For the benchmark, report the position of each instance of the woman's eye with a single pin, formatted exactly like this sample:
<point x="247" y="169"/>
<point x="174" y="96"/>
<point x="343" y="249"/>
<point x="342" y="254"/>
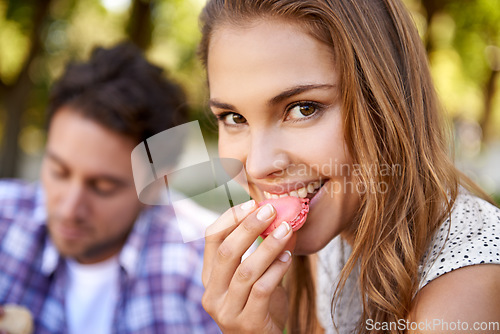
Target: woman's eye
<point x="232" y="118"/>
<point x="301" y="110"/>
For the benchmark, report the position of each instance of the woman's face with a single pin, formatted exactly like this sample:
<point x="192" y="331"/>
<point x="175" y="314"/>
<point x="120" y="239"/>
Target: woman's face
<point x="275" y="90"/>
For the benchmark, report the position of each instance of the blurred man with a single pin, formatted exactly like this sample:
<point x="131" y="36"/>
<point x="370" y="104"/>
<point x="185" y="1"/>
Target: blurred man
<point x="80" y="251"/>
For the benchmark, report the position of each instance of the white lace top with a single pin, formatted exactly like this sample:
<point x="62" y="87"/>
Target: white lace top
<point x="473" y="239"/>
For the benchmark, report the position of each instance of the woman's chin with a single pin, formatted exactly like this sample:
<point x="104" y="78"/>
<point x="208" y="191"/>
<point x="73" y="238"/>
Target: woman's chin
<point x="309" y="244"/>
<point x="329" y="214"/>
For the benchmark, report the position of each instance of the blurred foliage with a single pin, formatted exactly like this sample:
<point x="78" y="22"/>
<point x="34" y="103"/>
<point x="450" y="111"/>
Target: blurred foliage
<point x="462" y="38"/>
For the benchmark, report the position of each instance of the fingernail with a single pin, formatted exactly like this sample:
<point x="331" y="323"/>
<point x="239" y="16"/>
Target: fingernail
<point x="285" y="256"/>
<point x="281" y="231"/>
<point x="248" y="205"/>
<point x="265" y="212"/>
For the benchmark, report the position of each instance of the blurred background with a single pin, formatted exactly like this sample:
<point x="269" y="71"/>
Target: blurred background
<point x="38" y="37"/>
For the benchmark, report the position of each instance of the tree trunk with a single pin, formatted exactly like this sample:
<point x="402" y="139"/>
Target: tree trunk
<point x="488" y="103"/>
<point x="16" y="95"/>
<point x="139" y="26"/>
<point x="431" y="8"/>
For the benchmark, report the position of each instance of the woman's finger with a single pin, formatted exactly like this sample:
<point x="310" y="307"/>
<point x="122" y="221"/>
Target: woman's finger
<point x="218" y="231"/>
<point x="250" y="270"/>
<point x="257" y="316"/>
<point x="229" y="253"/>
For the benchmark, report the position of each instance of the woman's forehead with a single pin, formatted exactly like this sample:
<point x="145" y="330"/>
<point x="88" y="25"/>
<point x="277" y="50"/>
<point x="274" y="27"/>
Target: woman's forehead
<point x="269" y="48"/>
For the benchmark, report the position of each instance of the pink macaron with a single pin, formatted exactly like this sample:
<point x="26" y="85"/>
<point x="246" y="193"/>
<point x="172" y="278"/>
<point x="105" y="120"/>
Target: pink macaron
<point x="291" y="209"/>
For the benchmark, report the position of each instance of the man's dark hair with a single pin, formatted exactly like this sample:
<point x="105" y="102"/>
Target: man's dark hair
<point x="119" y="89"/>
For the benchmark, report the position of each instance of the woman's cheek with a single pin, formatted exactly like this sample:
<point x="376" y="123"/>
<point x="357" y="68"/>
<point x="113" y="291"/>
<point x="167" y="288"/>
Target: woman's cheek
<point x="232" y="146"/>
<point x="230" y="149"/>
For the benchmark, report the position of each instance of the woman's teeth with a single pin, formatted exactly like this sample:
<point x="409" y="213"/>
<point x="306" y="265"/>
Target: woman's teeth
<point x="311" y="188"/>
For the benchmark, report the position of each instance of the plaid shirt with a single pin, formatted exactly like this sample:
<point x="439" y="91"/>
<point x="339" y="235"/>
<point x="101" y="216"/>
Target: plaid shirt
<point x="160" y="276"/>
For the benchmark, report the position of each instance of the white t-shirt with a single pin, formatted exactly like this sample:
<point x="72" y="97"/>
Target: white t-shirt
<point x="91" y="296"/>
<point x="474" y="239"/>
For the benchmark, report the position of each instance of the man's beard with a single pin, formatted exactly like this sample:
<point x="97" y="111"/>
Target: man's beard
<point x="90" y="251"/>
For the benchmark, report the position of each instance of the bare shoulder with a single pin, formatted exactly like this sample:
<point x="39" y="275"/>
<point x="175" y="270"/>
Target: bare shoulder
<point x="466" y="299"/>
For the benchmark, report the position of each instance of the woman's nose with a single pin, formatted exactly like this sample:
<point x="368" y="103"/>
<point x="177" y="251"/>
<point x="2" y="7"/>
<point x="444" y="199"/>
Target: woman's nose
<point x="266" y="156"/>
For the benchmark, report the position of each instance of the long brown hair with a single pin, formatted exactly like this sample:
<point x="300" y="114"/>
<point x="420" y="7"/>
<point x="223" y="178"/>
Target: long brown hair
<point x="392" y="117"/>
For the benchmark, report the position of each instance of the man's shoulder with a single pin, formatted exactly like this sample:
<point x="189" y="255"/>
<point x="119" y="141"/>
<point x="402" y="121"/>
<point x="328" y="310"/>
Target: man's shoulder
<point x="21" y="232"/>
<point x="183" y="222"/>
<point x="15" y="188"/>
<point x="169" y="238"/>
<point x="18" y="198"/>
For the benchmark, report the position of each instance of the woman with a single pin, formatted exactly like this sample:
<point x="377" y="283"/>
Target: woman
<point x="333" y="100"/>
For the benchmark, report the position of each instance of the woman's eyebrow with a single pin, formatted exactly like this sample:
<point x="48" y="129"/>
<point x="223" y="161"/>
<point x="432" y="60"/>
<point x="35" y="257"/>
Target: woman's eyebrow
<point x="297" y="90"/>
<point x="221" y="105"/>
<point x="275" y="100"/>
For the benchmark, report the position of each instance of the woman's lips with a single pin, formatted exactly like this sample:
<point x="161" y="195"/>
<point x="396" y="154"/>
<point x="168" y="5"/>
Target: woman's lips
<point x="321" y="192"/>
<point x="307" y="190"/>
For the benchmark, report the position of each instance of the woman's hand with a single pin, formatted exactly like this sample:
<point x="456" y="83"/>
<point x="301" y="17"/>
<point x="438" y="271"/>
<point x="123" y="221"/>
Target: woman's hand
<point x="246" y="297"/>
